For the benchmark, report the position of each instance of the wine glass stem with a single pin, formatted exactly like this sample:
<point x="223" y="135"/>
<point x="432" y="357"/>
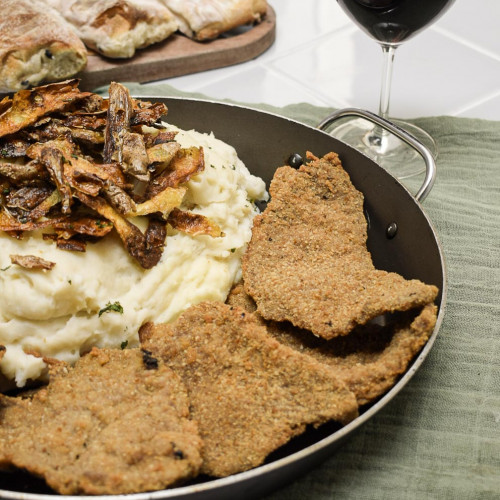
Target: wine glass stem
<point x="378" y="137"/>
<point x="385" y="92"/>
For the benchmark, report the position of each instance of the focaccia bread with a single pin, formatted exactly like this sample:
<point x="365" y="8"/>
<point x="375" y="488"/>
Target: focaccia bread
<point x="36" y="45"/>
<point x="207" y="19"/>
<point x="116" y="28"/>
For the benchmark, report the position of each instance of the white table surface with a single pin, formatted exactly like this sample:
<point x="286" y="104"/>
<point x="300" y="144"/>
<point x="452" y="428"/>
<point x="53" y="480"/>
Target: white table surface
<point x="321" y="57"/>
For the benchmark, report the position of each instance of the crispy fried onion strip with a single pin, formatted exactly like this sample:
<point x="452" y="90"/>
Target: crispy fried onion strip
<point x="17" y="173"/>
<point x="11" y="224"/>
<point x="145" y="248"/>
<point x="146" y="113"/>
<point x="163" y="152"/>
<point x="39" y="206"/>
<point x="68" y="232"/>
<point x="120" y="143"/>
<point x="69" y="170"/>
<point x="28" y="106"/>
<point x="164" y="202"/>
<point x="186" y="163"/>
<point x="89" y="226"/>
<point x="32" y="262"/>
<point x="191" y="223"/>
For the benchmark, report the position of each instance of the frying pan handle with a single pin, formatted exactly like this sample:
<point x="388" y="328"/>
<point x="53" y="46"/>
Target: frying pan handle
<point x="430" y="164"/>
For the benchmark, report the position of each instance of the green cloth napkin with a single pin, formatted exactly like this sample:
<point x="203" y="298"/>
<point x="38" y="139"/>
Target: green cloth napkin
<point x="439" y="438"/>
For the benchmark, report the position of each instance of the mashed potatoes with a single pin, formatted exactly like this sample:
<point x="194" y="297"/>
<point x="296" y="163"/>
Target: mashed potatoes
<point x="102" y="297"/>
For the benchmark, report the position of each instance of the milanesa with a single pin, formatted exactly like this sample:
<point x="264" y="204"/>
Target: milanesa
<point x="248" y="393"/>
<point x="116" y="423"/>
<point x="369" y="359"/>
<point x="307" y="261"/>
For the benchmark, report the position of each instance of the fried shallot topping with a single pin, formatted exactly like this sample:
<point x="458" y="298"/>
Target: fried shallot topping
<point x="27" y="106"/>
<point x="31" y="262"/>
<point x="77" y="166"/>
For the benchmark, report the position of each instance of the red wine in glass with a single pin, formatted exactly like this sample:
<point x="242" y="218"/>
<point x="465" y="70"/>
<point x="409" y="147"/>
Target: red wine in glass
<point x="394" y="21"/>
<point x="390" y="23"/>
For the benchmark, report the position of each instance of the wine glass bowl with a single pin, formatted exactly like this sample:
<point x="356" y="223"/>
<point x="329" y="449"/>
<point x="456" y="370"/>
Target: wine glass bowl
<point x="394" y="21"/>
<point x="390" y="23"/>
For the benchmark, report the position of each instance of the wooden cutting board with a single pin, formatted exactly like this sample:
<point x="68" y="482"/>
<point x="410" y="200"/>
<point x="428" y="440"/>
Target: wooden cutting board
<point x="179" y="55"/>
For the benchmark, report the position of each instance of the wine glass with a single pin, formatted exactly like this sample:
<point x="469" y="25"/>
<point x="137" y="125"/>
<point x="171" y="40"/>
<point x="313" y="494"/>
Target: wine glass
<point x="390" y="23"/>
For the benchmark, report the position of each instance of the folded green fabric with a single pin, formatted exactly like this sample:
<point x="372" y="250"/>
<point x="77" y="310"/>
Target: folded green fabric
<point x="440" y="437"/>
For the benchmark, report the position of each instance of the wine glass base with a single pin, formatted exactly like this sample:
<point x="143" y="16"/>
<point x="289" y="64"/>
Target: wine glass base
<point x="390" y="152"/>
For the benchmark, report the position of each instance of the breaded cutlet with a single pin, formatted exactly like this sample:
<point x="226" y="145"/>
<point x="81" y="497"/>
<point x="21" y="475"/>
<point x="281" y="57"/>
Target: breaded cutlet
<point x="116" y="423"/>
<point x="369" y="359"/>
<point x="249" y="394"/>
<point x="307" y="261"/>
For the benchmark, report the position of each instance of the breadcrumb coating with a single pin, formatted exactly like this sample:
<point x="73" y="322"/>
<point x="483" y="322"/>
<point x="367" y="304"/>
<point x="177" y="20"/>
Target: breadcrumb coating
<point x="116" y="423"/>
<point x="308" y="262"/>
<point x="249" y="393"/>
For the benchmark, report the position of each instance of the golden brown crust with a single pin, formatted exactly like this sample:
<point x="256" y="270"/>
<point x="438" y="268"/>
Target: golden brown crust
<point x="116" y="28"/>
<point x="116" y="423"/>
<point x="307" y="261"/>
<point x="369" y="359"/>
<point x="209" y="19"/>
<point x="36" y="45"/>
<point x="32" y="262"/>
<point x="374" y="369"/>
<point x="248" y="393"/>
<point x="27" y="106"/>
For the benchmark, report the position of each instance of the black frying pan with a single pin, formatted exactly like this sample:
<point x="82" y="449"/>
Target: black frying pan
<point x="264" y="142"/>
